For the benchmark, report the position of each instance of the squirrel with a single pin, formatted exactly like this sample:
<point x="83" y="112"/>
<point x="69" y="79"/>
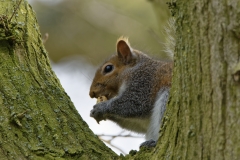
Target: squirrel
<point x="136" y="87"/>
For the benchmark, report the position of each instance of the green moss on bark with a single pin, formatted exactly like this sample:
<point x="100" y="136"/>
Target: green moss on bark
<point x="37" y="118"/>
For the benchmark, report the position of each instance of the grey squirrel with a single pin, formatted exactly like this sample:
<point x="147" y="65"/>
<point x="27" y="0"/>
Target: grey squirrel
<point x="136" y="87"/>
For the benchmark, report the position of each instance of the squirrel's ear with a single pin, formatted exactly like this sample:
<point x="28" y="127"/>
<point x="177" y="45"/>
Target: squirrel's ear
<point x="124" y="49"/>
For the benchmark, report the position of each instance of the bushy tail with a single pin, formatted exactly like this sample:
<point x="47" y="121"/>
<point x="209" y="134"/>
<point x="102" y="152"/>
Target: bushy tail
<point x="170" y="31"/>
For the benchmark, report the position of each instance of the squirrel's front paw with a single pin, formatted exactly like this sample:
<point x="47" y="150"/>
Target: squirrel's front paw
<point x="97" y="113"/>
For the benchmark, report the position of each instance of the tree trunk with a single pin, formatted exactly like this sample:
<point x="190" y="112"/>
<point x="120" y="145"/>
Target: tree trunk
<point x="202" y="120"/>
<point x="37" y="118"/>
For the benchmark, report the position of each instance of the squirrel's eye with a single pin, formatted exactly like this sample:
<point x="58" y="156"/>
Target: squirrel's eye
<point x="108" y="68"/>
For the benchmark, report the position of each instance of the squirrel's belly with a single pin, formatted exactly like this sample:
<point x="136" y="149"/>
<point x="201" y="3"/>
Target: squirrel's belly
<point x="139" y="125"/>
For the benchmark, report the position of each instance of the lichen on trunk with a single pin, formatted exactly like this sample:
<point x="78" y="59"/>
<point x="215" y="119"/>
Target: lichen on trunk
<point x="37" y="118"/>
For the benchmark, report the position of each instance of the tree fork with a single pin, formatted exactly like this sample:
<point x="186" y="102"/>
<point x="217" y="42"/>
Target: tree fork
<point x="38" y="120"/>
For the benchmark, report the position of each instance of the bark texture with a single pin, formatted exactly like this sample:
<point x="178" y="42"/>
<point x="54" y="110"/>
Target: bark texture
<point x="37" y="118"/>
<point x="202" y="119"/>
<point x="205" y="96"/>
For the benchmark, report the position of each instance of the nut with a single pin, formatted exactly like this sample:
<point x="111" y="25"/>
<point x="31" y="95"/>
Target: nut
<point x="101" y="99"/>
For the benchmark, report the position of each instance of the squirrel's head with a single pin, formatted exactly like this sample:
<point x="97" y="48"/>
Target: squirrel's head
<point x="109" y="76"/>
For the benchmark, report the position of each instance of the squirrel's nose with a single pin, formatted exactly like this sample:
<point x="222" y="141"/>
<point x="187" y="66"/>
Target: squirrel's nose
<point x="92" y="94"/>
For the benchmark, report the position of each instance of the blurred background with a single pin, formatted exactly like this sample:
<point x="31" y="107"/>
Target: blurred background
<point x="81" y="34"/>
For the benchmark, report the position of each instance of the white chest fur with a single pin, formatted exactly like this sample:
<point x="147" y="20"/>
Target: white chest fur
<point x="157" y="114"/>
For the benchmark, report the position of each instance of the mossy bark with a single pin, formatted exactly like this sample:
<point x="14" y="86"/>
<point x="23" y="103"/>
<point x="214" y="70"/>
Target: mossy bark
<point x="37" y="118"/>
<point x="203" y="116"/>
